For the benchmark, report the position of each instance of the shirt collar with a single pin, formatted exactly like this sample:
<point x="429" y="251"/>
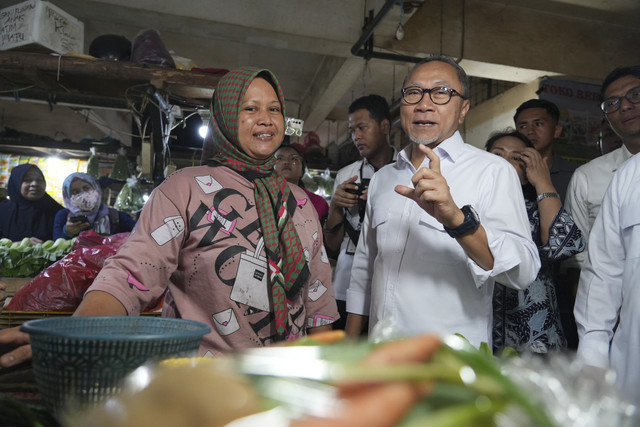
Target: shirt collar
<point x="366" y="163"/>
<point x="451" y="148"/>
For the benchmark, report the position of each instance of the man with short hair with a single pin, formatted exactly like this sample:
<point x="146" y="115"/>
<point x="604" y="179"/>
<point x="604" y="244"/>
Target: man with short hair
<point x="539" y="120"/>
<point x="369" y="126"/>
<point x="607" y="304"/>
<point x="442" y="224"/>
<point x="589" y="181"/>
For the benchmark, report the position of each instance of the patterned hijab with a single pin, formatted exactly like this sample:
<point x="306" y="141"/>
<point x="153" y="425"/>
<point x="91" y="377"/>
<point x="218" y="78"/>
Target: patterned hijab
<point x="99" y="212"/>
<point x="288" y="270"/>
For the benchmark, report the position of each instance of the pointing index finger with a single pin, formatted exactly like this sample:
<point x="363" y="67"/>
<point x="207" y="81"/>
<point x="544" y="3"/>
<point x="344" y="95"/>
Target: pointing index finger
<point x="434" y="160"/>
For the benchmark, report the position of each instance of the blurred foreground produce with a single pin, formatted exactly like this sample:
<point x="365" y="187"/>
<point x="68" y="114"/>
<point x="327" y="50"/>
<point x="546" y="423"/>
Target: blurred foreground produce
<point x="22" y="259"/>
<point x="414" y="382"/>
<point x="176" y="393"/>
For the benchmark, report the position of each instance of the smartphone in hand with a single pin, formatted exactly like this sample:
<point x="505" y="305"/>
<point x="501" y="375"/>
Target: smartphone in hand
<point x="79" y="218"/>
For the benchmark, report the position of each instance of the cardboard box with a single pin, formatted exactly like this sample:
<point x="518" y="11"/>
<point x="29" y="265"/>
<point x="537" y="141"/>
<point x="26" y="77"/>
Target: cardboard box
<point x="39" y="26"/>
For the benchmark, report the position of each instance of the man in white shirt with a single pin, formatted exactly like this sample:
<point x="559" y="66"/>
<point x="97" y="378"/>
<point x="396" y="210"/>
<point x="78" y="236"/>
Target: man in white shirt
<point x="607" y="308"/>
<point x="589" y="181"/>
<point x="369" y="125"/>
<point x="442" y="224"/>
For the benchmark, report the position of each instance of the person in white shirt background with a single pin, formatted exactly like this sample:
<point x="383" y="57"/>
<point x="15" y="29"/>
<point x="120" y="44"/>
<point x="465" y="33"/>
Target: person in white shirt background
<point x="608" y="299"/>
<point x="589" y="181"/>
<point x="369" y="125"/>
<point x="442" y="224"/>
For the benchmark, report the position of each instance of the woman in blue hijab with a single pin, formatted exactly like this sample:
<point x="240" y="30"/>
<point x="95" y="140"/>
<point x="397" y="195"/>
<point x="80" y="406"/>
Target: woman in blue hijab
<point x="84" y="210"/>
<point x="30" y="211"/>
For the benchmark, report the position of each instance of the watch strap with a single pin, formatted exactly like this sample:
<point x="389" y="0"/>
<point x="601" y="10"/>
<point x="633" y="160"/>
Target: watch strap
<point x="471" y="223"/>
<point x="545" y="195"/>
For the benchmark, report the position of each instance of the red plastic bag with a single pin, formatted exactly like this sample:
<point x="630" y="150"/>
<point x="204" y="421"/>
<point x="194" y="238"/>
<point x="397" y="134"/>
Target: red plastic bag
<point x="92" y="238"/>
<point x="62" y="285"/>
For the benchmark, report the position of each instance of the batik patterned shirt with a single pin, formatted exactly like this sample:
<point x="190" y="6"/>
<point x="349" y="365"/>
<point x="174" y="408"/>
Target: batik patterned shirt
<point x="529" y="319"/>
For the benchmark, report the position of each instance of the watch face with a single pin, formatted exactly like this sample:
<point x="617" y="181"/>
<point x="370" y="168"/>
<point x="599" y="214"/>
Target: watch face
<point x="473" y="213"/>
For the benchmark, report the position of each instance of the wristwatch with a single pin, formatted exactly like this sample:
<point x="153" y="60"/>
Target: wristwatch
<point x="471" y="223"/>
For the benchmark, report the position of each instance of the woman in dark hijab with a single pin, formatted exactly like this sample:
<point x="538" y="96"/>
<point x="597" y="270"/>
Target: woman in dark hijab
<point x="30" y="211"/>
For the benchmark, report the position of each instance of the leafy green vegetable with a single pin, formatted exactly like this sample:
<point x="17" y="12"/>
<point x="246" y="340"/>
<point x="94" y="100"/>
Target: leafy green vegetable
<point x="23" y="259"/>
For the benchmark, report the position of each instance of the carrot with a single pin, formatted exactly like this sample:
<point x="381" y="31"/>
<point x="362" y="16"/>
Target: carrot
<point x="417" y="349"/>
<point x="328" y="337"/>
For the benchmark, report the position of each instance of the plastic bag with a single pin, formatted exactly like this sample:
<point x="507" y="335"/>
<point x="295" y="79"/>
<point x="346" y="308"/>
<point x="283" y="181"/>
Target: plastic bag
<point x="61" y="286"/>
<point x="149" y="48"/>
<point x="120" y="169"/>
<point x="130" y="198"/>
<point x="93" y="164"/>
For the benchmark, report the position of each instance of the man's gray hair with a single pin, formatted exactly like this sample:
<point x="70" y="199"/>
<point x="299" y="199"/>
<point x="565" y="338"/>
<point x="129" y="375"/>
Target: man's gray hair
<point x="462" y="75"/>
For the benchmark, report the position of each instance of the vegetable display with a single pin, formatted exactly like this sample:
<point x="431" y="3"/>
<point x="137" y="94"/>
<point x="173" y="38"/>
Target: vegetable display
<point x="23" y="259"/>
<point x="324" y="380"/>
<point x="467" y="385"/>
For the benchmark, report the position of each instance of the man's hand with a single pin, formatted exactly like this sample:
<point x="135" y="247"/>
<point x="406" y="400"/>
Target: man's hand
<point x="343" y="198"/>
<point x="431" y="191"/>
<point x="14" y="347"/>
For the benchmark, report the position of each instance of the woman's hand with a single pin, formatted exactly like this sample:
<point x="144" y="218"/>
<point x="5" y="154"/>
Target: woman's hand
<point x="537" y="170"/>
<point x="14" y="347"/>
<point x="74" y="228"/>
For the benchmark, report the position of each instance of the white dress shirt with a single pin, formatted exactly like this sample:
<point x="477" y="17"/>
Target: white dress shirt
<point x="607" y="307"/>
<point x="342" y="273"/>
<point x="410" y="273"/>
<point x="586" y="190"/>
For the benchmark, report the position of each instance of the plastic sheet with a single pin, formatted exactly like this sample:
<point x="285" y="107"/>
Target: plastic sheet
<point x="62" y="285"/>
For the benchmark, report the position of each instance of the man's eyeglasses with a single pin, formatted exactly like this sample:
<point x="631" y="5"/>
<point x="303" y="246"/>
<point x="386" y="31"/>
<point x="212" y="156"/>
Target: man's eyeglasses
<point x="438" y="95"/>
<point x="294" y="160"/>
<point x="613" y="104"/>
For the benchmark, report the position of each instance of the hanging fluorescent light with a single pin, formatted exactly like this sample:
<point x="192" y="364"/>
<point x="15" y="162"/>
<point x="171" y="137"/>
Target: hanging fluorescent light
<point x="205" y="116"/>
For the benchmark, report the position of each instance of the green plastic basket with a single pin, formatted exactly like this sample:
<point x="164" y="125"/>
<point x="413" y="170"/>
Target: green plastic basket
<point x="80" y="361"/>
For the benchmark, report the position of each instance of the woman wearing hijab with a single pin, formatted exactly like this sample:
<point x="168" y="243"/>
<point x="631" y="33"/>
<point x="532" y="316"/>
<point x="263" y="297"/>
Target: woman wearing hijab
<point x="228" y="240"/>
<point x="84" y="210"/>
<point x="30" y="211"/>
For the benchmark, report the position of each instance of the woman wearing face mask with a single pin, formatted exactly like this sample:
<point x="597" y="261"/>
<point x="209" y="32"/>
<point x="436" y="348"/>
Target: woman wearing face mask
<point x="30" y="211"/>
<point x="83" y="198"/>
<point x="529" y="320"/>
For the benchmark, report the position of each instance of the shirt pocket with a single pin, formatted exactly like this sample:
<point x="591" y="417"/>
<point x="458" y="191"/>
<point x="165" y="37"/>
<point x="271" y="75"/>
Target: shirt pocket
<point x="630" y="225"/>
<point x="379" y="223"/>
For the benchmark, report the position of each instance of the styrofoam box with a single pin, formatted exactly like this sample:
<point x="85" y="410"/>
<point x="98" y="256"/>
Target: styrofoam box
<point x="40" y="26"/>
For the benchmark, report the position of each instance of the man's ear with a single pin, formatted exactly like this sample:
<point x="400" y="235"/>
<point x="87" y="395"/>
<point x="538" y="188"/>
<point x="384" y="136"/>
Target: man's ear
<point x="464" y="109"/>
<point x="385" y="126"/>
<point x="558" y="131"/>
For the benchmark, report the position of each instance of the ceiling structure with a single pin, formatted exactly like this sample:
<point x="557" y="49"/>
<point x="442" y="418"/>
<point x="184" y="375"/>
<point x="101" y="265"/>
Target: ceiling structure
<point x="324" y="59"/>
